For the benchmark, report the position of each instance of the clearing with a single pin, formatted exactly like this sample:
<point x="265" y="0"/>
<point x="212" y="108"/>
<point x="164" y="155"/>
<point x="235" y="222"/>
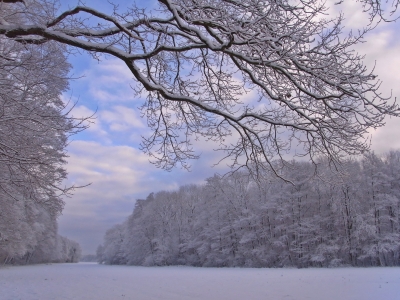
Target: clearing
<point x="93" y="281"/>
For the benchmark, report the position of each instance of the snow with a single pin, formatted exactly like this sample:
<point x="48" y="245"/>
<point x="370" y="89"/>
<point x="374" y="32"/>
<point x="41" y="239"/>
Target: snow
<point x="93" y="281"/>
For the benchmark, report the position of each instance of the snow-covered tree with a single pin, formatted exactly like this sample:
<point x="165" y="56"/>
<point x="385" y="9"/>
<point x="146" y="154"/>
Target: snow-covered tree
<point x="196" y="59"/>
<point x="112" y="252"/>
<point x="34" y="130"/>
<point x="328" y="219"/>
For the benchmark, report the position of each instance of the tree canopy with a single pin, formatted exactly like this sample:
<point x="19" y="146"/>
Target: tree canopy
<point x="196" y="60"/>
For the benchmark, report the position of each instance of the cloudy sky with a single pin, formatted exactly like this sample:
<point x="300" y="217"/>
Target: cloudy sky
<point x="107" y="154"/>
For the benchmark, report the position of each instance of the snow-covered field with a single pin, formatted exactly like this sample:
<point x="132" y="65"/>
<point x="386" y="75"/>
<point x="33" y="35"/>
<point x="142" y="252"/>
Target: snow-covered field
<point x="93" y="281"/>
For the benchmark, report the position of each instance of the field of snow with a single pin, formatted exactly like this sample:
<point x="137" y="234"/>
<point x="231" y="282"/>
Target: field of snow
<point x="93" y="281"/>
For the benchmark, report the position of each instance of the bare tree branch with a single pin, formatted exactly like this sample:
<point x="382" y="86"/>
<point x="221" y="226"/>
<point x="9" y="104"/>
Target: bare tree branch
<point x="197" y="59"/>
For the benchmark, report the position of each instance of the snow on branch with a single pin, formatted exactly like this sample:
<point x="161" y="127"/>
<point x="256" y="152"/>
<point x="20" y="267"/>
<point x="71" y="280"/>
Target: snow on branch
<point x="197" y="61"/>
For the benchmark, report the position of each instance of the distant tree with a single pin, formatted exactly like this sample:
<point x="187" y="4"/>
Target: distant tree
<point x="66" y="251"/>
<point x="196" y="61"/>
<point x="112" y="252"/>
<point x="89" y="258"/>
<point x="325" y="220"/>
<point x="100" y="254"/>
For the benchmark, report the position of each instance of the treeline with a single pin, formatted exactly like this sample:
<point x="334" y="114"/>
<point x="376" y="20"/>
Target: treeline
<point x="318" y="220"/>
<point x="28" y="234"/>
<point x="34" y="130"/>
<point x="89" y="258"/>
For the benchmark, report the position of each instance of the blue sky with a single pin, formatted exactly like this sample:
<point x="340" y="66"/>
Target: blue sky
<point x="107" y="155"/>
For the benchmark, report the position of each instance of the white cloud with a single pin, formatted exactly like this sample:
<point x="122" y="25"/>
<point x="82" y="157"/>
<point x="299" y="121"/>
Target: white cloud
<point x="122" y="118"/>
<point x="110" y="81"/>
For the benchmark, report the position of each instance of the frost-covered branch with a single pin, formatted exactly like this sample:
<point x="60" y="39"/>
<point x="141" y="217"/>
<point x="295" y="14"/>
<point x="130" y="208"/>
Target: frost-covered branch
<point x="200" y="61"/>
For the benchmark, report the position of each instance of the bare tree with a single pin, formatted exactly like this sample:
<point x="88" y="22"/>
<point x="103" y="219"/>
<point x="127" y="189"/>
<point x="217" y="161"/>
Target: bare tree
<point x="196" y="60"/>
<point x="381" y="10"/>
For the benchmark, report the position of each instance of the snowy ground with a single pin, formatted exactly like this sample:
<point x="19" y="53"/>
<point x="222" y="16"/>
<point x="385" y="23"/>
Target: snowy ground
<point x="93" y="281"/>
